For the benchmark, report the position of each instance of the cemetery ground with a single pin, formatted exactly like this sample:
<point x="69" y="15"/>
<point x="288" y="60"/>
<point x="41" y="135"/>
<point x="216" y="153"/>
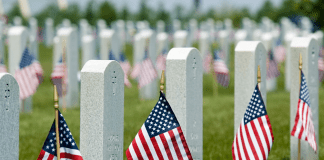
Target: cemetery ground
<point x="218" y="116"/>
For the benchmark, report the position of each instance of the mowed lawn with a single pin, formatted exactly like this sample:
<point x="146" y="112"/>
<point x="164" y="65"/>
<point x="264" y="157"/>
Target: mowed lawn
<point x="218" y="108"/>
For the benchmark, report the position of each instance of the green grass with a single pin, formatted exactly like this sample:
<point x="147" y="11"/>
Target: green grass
<point x="218" y="116"/>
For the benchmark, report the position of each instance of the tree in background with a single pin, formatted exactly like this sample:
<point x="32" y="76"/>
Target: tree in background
<point x="15" y="11"/>
<point x="267" y="10"/>
<point x="107" y="12"/>
<point x="162" y="14"/>
<point x="125" y="15"/>
<point x="89" y="14"/>
<point x="143" y="13"/>
<point x="73" y="13"/>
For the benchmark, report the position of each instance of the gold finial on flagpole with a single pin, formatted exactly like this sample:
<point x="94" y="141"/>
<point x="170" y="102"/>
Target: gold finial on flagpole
<point x="162" y="82"/>
<point x="56" y="107"/>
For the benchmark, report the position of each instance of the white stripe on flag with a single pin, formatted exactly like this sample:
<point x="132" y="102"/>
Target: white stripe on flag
<point x="149" y="142"/>
<point x="132" y="152"/>
<point x="254" y="141"/>
<point x="179" y="142"/>
<point x="161" y="146"/>
<point x="170" y="144"/>
<point x="140" y="147"/>
<point x="262" y="138"/>
<point x="46" y="156"/>
<point x="240" y="141"/>
<point x="246" y="142"/>
<point x="267" y="129"/>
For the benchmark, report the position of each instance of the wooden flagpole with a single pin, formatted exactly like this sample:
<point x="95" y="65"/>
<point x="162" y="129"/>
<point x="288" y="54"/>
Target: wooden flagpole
<point x="56" y="107"/>
<point x="162" y="82"/>
<point x="259" y="77"/>
<point x="300" y="69"/>
<point x="64" y="71"/>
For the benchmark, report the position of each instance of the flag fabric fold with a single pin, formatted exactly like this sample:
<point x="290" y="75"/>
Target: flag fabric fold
<point x="221" y="70"/>
<point x="272" y="66"/>
<point x="26" y="75"/>
<point x="161" y="60"/>
<point x="160" y="137"/>
<point x="280" y="52"/>
<point x="254" y="137"/>
<point x="304" y="128"/>
<point x="125" y="65"/>
<point x="59" y="77"/>
<point x="3" y="68"/>
<point x="207" y="62"/>
<point x="68" y="148"/>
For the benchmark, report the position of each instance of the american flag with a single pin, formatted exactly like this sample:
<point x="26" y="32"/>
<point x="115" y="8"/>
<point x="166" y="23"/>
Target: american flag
<point x="207" y="62"/>
<point x="2" y="66"/>
<point x="125" y="65"/>
<point x="161" y="60"/>
<point x="26" y="75"/>
<point x="38" y="69"/>
<point x="136" y="70"/>
<point x="254" y="136"/>
<point x="147" y="72"/>
<point x="68" y="148"/>
<point x="304" y="127"/>
<point x="111" y="55"/>
<point x="280" y="52"/>
<point x="160" y="137"/>
<point x="221" y="70"/>
<point x="58" y="75"/>
<point x="272" y="67"/>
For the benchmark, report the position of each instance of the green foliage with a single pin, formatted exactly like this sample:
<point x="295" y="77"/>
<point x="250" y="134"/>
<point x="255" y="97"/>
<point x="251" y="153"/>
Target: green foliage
<point x="107" y="12"/>
<point x="267" y="10"/>
<point x="89" y="14"/>
<point x="143" y="13"/>
<point x="162" y="14"/>
<point x="125" y="14"/>
<point x="15" y="11"/>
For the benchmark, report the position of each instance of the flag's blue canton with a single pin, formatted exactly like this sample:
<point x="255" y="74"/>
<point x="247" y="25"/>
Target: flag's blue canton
<point x="26" y="60"/>
<point x="304" y="94"/>
<point x="61" y="60"/>
<point x="216" y="56"/>
<point x="271" y="57"/>
<point x="122" y="57"/>
<point x="111" y="55"/>
<point x="1" y="61"/>
<point x="66" y="138"/>
<point x="164" y="51"/>
<point x="161" y="119"/>
<point x="278" y="42"/>
<point x="256" y="107"/>
<point x="146" y="53"/>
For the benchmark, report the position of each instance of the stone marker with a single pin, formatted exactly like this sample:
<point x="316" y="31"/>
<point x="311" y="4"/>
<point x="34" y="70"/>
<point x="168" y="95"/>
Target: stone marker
<point x="287" y="41"/>
<point x="49" y="31"/>
<point x="160" y="26"/>
<point x="185" y="95"/>
<point x="267" y="40"/>
<point x="88" y="49"/>
<point x="2" y="48"/>
<point x="18" y="36"/>
<point x="176" y="25"/>
<point x="109" y="40"/>
<point x="66" y="23"/>
<point x="9" y="117"/>
<point x="248" y="55"/>
<point x="180" y="38"/>
<point x="17" y="21"/>
<point x="309" y="49"/>
<point x="130" y="31"/>
<point x="68" y="39"/>
<point x="102" y="110"/>
<point x="224" y="43"/>
<point x="120" y="28"/>
<point x="57" y="50"/>
<point x="149" y="91"/>
<point x="33" y="35"/>
<point x="204" y="43"/>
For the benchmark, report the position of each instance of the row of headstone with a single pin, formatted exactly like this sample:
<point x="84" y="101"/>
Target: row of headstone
<point x="102" y="105"/>
<point x="251" y="54"/>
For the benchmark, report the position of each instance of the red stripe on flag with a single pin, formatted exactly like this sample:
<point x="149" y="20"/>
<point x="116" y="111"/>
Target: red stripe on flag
<point x="302" y="127"/>
<point x="256" y="134"/>
<point x="70" y="156"/>
<point x="175" y="144"/>
<point x="41" y="155"/>
<point x="243" y="143"/>
<point x="128" y="155"/>
<point x="265" y="133"/>
<point x="184" y="143"/>
<point x="156" y="147"/>
<point x="166" y="146"/>
<point x="145" y="146"/>
<point x="250" y="142"/>
<point x="50" y="157"/>
<point x="136" y="149"/>
<point x="238" y="149"/>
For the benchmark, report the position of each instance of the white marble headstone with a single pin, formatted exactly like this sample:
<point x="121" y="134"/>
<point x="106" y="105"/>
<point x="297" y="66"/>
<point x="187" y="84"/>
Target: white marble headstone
<point x="49" y="31"/>
<point x="184" y="93"/>
<point x="109" y="40"/>
<point x="9" y="117"/>
<point x="180" y="38"/>
<point x="248" y="56"/>
<point x="88" y="48"/>
<point x="102" y="110"/>
<point x="18" y="36"/>
<point x="68" y="39"/>
<point x="267" y="40"/>
<point x="309" y="49"/>
<point x="287" y="41"/>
